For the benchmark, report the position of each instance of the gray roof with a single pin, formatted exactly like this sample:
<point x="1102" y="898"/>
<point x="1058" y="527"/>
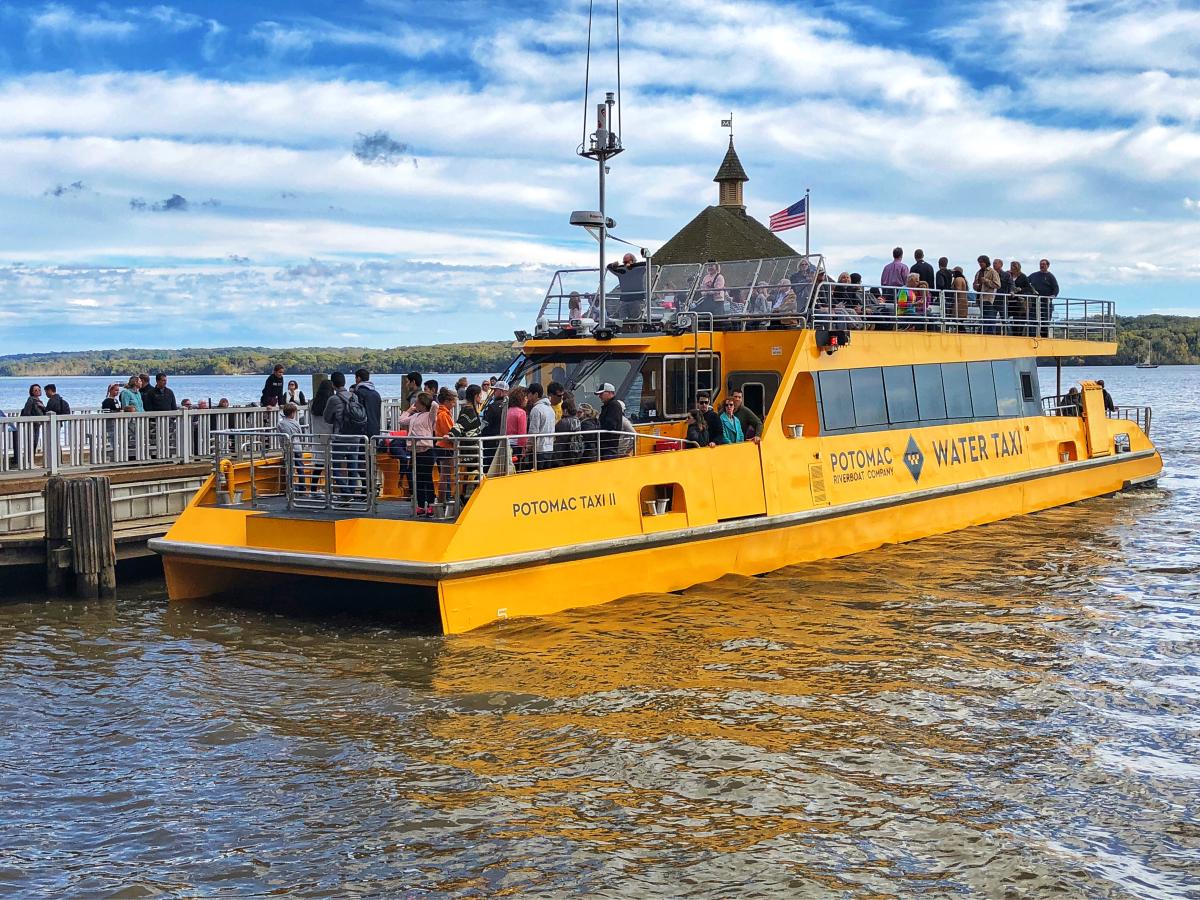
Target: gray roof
<point x="721" y="233"/>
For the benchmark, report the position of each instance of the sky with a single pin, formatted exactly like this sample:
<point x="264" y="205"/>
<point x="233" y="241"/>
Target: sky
<point x="390" y="172"/>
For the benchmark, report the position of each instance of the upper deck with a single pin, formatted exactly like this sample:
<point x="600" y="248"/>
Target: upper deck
<point x="794" y="293"/>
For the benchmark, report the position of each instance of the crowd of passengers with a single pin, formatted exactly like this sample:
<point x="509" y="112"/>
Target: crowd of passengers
<point x="905" y="293"/>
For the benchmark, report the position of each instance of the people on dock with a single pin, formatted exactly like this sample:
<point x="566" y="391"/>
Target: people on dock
<point x="159" y="398"/>
<point x="55" y="402"/>
<point x="293" y="394"/>
<point x="346" y="414"/>
<point x="273" y="387"/>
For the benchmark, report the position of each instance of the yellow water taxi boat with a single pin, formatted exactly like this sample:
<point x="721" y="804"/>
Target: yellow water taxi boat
<point x="882" y="421"/>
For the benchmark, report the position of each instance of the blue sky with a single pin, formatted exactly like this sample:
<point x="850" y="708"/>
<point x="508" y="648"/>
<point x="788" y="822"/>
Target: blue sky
<point x="187" y="175"/>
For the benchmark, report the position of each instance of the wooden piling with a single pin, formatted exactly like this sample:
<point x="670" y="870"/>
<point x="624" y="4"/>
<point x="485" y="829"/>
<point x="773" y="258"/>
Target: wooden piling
<point x="95" y="557"/>
<point x="58" y="544"/>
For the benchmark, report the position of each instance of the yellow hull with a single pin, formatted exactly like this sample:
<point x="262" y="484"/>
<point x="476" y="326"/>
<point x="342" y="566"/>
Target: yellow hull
<point x="540" y="542"/>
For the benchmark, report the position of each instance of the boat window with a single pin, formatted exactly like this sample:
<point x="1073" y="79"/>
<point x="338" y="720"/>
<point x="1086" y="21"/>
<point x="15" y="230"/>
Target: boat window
<point x="931" y="399"/>
<point x="1008" y="388"/>
<point x="958" y="392"/>
<point x="867" y="387"/>
<point x="983" y="389"/>
<point x="837" y="403"/>
<point x="643" y="399"/>
<point x="754" y="396"/>
<point x="902" y="394"/>
<point x="583" y="373"/>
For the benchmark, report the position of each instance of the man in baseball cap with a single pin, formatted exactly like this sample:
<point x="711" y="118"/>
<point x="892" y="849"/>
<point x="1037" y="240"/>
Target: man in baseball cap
<point x="611" y="414"/>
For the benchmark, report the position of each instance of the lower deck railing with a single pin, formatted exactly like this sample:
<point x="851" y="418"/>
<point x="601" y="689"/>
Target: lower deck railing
<point x="421" y="477"/>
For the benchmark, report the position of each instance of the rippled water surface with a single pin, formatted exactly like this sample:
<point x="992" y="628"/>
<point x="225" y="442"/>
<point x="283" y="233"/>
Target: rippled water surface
<point x="1012" y="710"/>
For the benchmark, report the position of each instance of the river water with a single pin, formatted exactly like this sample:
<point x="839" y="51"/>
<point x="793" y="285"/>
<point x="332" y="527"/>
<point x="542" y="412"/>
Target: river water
<point x="1008" y="711"/>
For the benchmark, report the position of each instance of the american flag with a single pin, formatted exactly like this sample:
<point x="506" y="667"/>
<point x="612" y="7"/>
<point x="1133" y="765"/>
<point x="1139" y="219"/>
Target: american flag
<point x="792" y="217"/>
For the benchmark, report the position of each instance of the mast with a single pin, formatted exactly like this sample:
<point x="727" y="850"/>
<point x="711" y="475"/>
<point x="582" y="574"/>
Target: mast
<point x="603" y="144"/>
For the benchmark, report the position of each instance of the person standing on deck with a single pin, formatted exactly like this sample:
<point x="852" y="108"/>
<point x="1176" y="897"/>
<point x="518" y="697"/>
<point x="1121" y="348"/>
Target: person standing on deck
<point x="611" y="415"/>
<point x="294" y="394"/>
<point x="751" y="423"/>
<point x="712" y="421"/>
<point x="895" y="273"/>
<point x="987" y="282"/>
<point x="631" y="275"/>
<point x="460" y="388"/>
<point x="943" y="280"/>
<point x="542" y="421"/>
<point x="34" y="407"/>
<point x="495" y="420"/>
<point x="371" y="401"/>
<point x="55" y="402"/>
<point x="159" y="398"/>
<point x="1109" y="406"/>
<point x="921" y="267"/>
<point x="1045" y="285"/>
<point x="412" y="387"/>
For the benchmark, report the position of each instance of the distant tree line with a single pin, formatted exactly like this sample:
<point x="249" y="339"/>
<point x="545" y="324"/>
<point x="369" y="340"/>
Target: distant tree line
<point x="1168" y="340"/>
<point x="483" y="356"/>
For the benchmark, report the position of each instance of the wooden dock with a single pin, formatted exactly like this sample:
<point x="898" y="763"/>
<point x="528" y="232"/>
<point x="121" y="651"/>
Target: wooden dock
<point x="145" y="502"/>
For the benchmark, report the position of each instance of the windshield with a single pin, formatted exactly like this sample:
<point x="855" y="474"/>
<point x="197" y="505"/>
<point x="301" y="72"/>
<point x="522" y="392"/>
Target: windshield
<point x="583" y="374"/>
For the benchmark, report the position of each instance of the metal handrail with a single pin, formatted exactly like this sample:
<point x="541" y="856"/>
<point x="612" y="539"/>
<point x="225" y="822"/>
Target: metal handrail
<point x="1139" y="415"/>
<point x="840" y="306"/>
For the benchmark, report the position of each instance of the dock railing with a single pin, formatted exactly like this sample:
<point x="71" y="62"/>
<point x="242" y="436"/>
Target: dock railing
<point x="51" y="444"/>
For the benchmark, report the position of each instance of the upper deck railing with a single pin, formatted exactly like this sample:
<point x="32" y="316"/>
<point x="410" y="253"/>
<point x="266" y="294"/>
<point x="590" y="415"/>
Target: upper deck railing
<point x="794" y="292"/>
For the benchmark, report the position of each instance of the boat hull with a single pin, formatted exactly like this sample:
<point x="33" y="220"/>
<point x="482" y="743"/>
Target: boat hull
<point x="472" y="593"/>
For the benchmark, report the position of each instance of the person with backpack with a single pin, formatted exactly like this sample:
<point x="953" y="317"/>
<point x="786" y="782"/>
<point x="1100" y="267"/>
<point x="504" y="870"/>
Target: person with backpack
<point x="371" y="402"/>
<point x="568" y="438"/>
<point x="346" y="413"/>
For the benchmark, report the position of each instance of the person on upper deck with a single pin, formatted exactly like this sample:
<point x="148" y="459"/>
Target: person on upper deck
<point x="921" y="267"/>
<point x="712" y="290"/>
<point x="944" y="276"/>
<point x="987" y="283"/>
<point x="751" y="424"/>
<point x="895" y="273"/>
<point x="631" y="275"/>
<point x="1045" y="285"/>
<point x="574" y="307"/>
<point x="959" y="290"/>
<point x="1020" y="305"/>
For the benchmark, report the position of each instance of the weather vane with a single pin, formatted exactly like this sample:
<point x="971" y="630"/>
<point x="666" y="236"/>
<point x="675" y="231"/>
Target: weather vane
<point x="728" y="123"/>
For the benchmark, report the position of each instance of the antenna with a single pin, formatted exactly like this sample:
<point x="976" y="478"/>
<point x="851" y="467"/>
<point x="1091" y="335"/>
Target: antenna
<point x="602" y="144"/>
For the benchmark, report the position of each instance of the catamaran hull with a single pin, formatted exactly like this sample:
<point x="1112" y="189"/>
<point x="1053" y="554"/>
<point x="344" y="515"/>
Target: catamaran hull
<point x="460" y="596"/>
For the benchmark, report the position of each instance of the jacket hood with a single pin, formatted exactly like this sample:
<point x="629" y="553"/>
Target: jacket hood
<point x="367" y="384"/>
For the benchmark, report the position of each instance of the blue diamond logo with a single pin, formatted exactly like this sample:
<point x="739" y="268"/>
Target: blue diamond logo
<point x="914" y="459"/>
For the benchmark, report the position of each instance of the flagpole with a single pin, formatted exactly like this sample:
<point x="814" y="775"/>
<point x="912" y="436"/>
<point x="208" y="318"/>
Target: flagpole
<point x="807" y="217"/>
